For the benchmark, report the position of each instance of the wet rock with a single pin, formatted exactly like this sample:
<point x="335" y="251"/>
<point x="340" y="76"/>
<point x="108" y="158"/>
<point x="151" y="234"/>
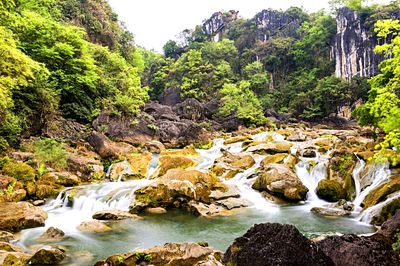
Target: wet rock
<point x="14" y="258"/>
<point x="94" y="227"/>
<point x="184" y="254"/>
<point x="233" y="203"/>
<point x="229" y="165"/>
<point x="173" y="162"/>
<point x="157" y="210"/>
<point x="22" y="215"/>
<point x="114" y="215"/>
<point x="5" y="246"/>
<point x="352" y="250"/>
<point x="186" y="151"/>
<point x="6" y="236"/>
<point x="276" y="158"/>
<point x="175" y="189"/>
<point x="235" y="139"/>
<point x="139" y="163"/>
<point x="231" y="192"/>
<point x="274" y="244"/>
<point x="382" y="192"/>
<point x="291" y="161"/>
<point x="270" y="148"/>
<point x="38" y="202"/>
<point x="48" y="255"/>
<point x="309" y="153"/>
<point x="52" y="234"/>
<point x="327" y="211"/>
<point x="154" y="146"/>
<point x="340" y="168"/>
<point x="279" y="180"/>
<point x="64" y="178"/>
<point x="330" y="190"/>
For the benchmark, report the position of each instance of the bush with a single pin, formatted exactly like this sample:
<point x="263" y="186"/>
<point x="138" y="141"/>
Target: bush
<point x="50" y="153"/>
<point x="20" y="171"/>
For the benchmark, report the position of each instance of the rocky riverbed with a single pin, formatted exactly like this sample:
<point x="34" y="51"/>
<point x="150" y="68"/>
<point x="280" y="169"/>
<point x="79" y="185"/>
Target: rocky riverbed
<point x="324" y="181"/>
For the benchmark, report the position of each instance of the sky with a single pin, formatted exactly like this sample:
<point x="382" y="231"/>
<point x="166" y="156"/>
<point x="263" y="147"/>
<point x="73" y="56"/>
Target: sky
<point x="154" y="22"/>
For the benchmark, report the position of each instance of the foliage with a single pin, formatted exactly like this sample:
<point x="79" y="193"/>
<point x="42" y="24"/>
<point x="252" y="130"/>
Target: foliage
<point x="50" y="152"/>
<point x="396" y="245"/>
<point x="240" y="100"/>
<point x="20" y="171"/>
<point x="383" y="106"/>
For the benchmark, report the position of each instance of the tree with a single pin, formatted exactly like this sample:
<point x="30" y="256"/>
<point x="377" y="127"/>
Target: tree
<point x="172" y="49"/>
<point x="383" y="106"/>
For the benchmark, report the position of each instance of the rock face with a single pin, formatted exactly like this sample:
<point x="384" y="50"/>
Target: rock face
<point x="22" y="215"/>
<point x="215" y="25"/>
<point x="354" y="45"/>
<point x="272" y="22"/>
<point x="281" y="181"/>
<point x="171" y="254"/>
<point x="274" y="244"/>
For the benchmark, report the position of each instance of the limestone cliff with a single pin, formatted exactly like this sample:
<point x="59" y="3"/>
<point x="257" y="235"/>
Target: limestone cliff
<point x="216" y="24"/>
<point x="353" y="49"/>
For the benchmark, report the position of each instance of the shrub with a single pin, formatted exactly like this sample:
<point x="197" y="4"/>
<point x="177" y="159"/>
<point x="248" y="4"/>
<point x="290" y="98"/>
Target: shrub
<point x="50" y="153"/>
<point x="20" y="171"/>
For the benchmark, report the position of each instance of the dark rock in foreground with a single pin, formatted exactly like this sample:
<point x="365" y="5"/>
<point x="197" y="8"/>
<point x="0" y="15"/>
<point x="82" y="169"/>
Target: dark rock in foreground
<point x="274" y="244"/>
<point x="359" y="251"/>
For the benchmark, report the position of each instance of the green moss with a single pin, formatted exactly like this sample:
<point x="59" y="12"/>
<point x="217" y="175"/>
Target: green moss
<point x="379" y="194"/>
<point x="20" y="171"/>
<point x="387" y="212"/>
<point x="330" y="190"/>
<point x="143" y="257"/>
<point x="343" y="164"/>
<point x="204" y="145"/>
<point x="396" y="244"/>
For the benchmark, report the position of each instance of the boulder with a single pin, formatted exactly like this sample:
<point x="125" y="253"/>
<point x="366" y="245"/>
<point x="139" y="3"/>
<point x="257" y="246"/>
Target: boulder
<point x="352" y="250"/>
<point x="48" y="255"/>
<point x="154" y="146"/>
<point x="381" y="193"/>
<point x="114" y="215"/>
<point x="173" y="254"/>
<point x="330" y="190"/>
<point x="276" y="158"/>
<point x="231" y="192"/>
<point x="85" y="168"/>
<point x="52" y="234"/>
<point x="298" y="136"/>
<point x="21" y="156"/>
<point x="15" y="217"/>
<point x="13" y="196"/>
<point x="281" y="181"/>
<point x="274" y="244"/>
<point x="64" y="130"/>
<point x="5" y="246"/>
<point x="391" y="227"/>
<point x="107" y="148"/>
<point x="175" y="189"/>
<point x="328" y="211"/>
<point x="94" y="227"/>
<point x="170" y="96"/>
<point x="271" y="147"/>
<point x="190" y="109"/>
<point x="340" y="168"/>
<point x="229" y="165"/>
<point x="174" y="162"/>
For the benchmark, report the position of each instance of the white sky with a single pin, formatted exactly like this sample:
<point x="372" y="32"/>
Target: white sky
<point x="154" y="22"/>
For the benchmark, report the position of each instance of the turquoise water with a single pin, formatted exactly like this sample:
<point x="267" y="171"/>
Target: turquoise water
<point x="178" y="226"/>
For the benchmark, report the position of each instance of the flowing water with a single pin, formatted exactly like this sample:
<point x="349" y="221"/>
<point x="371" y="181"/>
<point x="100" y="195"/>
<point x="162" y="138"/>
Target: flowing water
<point x="177" y="226"/>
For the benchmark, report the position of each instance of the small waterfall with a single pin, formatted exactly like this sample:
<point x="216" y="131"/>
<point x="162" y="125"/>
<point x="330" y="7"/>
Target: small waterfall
<point x="310" y="178"/>
<point x="379" y="175"/>
<point x="243" y="182"/>
<point x="367" y="215"/>
<point x="207" y="157"/>
<point x="356" y="175"/>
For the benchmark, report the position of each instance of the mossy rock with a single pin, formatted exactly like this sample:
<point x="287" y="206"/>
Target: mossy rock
<point x="139" y="163"/>
<point x="173" y="162"/>
<point x="236" y="139"/>
<point x="380" y="193"/>
<point x="20" y="171"/>
<point x="243" y="162"/>
<point x="231" y="174"/>
<point x="204" y="145"/>
<point x="187" y="151"/>
<point x="341" y="166"/>
<point x="291" y="161"/>
<point x="44" y="191"/>
<point x="387" y="212"/>
<point x="14" y="196"/>
<point x="330" y="190"/>
<point x="276" y="158"/>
